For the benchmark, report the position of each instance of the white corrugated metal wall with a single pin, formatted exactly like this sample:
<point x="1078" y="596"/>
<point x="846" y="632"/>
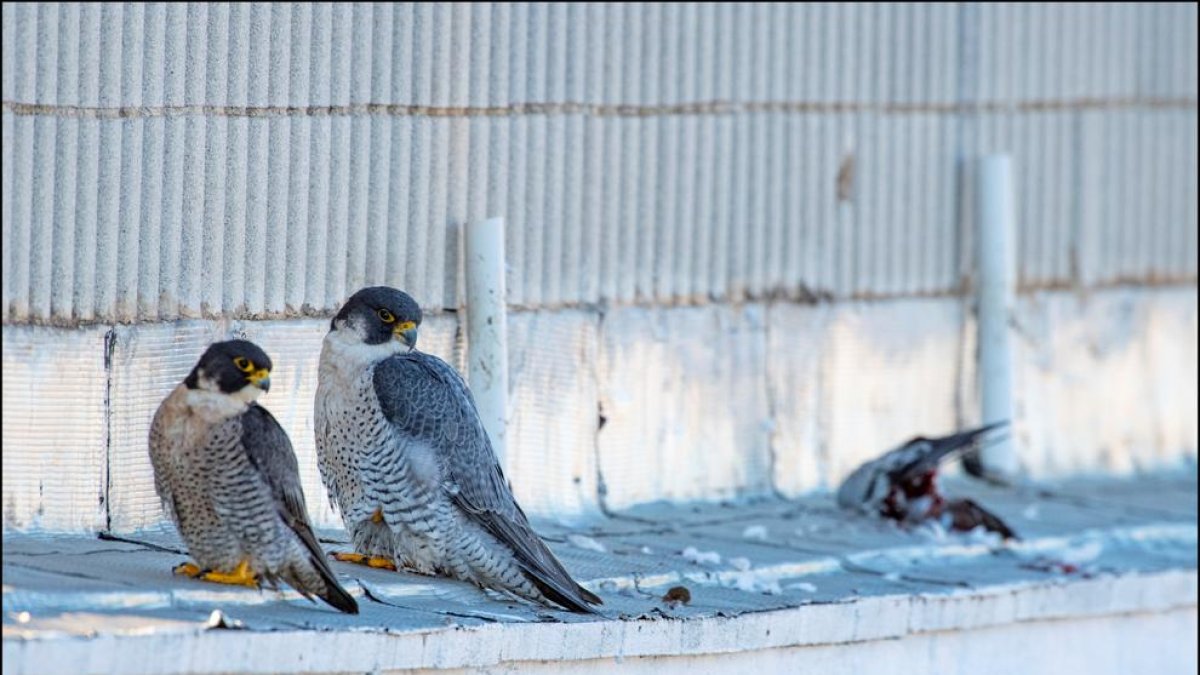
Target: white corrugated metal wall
<point x="167" y="160"/>
<point x="241" y="162"/>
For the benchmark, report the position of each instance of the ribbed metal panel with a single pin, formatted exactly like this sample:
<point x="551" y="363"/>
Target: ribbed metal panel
<point x="1142" y="208"/>
<point x="187" y="160"/>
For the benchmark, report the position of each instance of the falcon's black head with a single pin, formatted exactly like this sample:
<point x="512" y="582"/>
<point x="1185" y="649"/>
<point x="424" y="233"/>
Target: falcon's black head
<point x="236" y="367"/>
<point x="379" y="314"/>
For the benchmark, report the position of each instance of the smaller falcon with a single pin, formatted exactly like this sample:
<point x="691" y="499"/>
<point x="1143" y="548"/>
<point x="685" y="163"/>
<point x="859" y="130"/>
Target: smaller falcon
<point x="902" y="485"/>
<point x="227" y="475"/>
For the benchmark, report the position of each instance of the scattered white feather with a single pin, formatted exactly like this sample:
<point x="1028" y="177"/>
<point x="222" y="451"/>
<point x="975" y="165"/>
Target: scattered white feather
<point x="931" y="530"/>
<point x="740" y="564"/>
<point x="981" y="535"/>
<point x="753" y="582"/>
<point x="1082" y="553"/>
<point x="758" y="532"/>
<point x="693" y="555"/>
<point x="647" y="550"/>
<point x="1032" y="512"/>
<point x="892" y="576"/>
<point x="586" y="543"/>
<point x="818" y="528"/>
<point x="802" y="586"/>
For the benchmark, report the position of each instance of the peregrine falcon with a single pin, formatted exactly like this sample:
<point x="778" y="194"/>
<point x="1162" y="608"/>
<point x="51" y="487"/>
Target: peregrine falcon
<point x="407" y="461"/>
<point x="902" y="485"/>
<point x="227" y="475"/>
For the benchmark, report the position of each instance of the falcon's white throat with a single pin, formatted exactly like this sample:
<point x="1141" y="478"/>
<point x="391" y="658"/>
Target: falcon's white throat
<point x="248" y="394"/>
<point x="209" y="402"/>
<point x="345" y="348"/>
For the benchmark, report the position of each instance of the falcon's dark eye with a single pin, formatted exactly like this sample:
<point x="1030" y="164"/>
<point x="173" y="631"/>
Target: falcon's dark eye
<point x="386" y="316"/>
<point x="243" y="364"/>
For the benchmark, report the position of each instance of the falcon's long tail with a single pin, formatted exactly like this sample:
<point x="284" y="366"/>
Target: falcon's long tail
<point x="331" y="591"/>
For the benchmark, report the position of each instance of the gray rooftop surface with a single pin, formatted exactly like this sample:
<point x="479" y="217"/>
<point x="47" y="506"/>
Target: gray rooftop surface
<point x="1088" y="548"/>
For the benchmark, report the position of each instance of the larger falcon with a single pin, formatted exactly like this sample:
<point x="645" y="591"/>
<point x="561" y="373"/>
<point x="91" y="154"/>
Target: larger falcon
<point x="406" y="459"/>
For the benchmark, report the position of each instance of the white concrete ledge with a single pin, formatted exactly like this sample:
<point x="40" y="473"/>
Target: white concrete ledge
<point x="770" y="583"/>
<point x="195" y="648"/>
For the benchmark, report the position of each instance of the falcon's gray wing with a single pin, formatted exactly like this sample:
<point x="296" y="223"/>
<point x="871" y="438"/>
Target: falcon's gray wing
<point x="425" y="398"/>
<point x="270" y="451"/>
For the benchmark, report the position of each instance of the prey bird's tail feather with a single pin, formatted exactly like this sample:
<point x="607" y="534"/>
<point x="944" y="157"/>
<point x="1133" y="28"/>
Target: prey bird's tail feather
<point x="946" y="448"/>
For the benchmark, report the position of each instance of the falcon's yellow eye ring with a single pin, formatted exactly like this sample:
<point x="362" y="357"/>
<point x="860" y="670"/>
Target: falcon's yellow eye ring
<point x="386" y="316"/>
<point x="243" y="364"/>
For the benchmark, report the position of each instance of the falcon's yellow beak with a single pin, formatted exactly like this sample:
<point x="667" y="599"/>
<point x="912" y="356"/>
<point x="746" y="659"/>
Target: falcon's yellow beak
<point x="406" y="332"/>
<point x="261" y="378"/>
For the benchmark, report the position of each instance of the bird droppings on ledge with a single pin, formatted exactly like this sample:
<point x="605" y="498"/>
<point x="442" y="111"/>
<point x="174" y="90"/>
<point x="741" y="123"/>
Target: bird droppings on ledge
<point x="659" y="562"/>
<point x="758" y="532"/>
<point x="694" y="555"/>
<point x="586" y="543"/>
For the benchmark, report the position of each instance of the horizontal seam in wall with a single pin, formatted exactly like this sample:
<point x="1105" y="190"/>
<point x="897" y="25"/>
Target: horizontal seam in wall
<point x="804" y="297"/>
<point x="596" y="110"/>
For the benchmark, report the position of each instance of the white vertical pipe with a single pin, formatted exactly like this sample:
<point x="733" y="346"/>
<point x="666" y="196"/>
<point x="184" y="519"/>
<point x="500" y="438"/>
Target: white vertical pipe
<point x="487" y="327"/>
<point x="995" y="301"/>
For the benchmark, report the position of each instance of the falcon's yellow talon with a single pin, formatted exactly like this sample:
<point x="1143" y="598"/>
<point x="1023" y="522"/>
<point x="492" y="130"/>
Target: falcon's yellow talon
<point x="187" y="570"/>
<point x="381" y="563"/>
<point x="377" y="517"/>
<point x="240" y="576"/>
<point x="378" y="562"/>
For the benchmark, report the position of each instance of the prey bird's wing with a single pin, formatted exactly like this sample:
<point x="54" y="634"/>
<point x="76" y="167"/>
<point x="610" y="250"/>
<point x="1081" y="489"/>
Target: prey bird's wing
<point x="427" y="400"/>
<point x="966" y="515"/>
<point x="866" y="487"/>
<point x="922" y="455"/>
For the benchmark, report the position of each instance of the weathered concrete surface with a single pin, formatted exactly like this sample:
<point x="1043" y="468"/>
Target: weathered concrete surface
<point x="639" y="404"/>
<point x="55" y="428"/>
<point x="1117" y="645"/>
<point x="774" y="584"/>
<point x="1106" y="382"/>
<point x="685" y="406"/>
<point x="552" y="416"/>
<point x="849" y="381"/>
